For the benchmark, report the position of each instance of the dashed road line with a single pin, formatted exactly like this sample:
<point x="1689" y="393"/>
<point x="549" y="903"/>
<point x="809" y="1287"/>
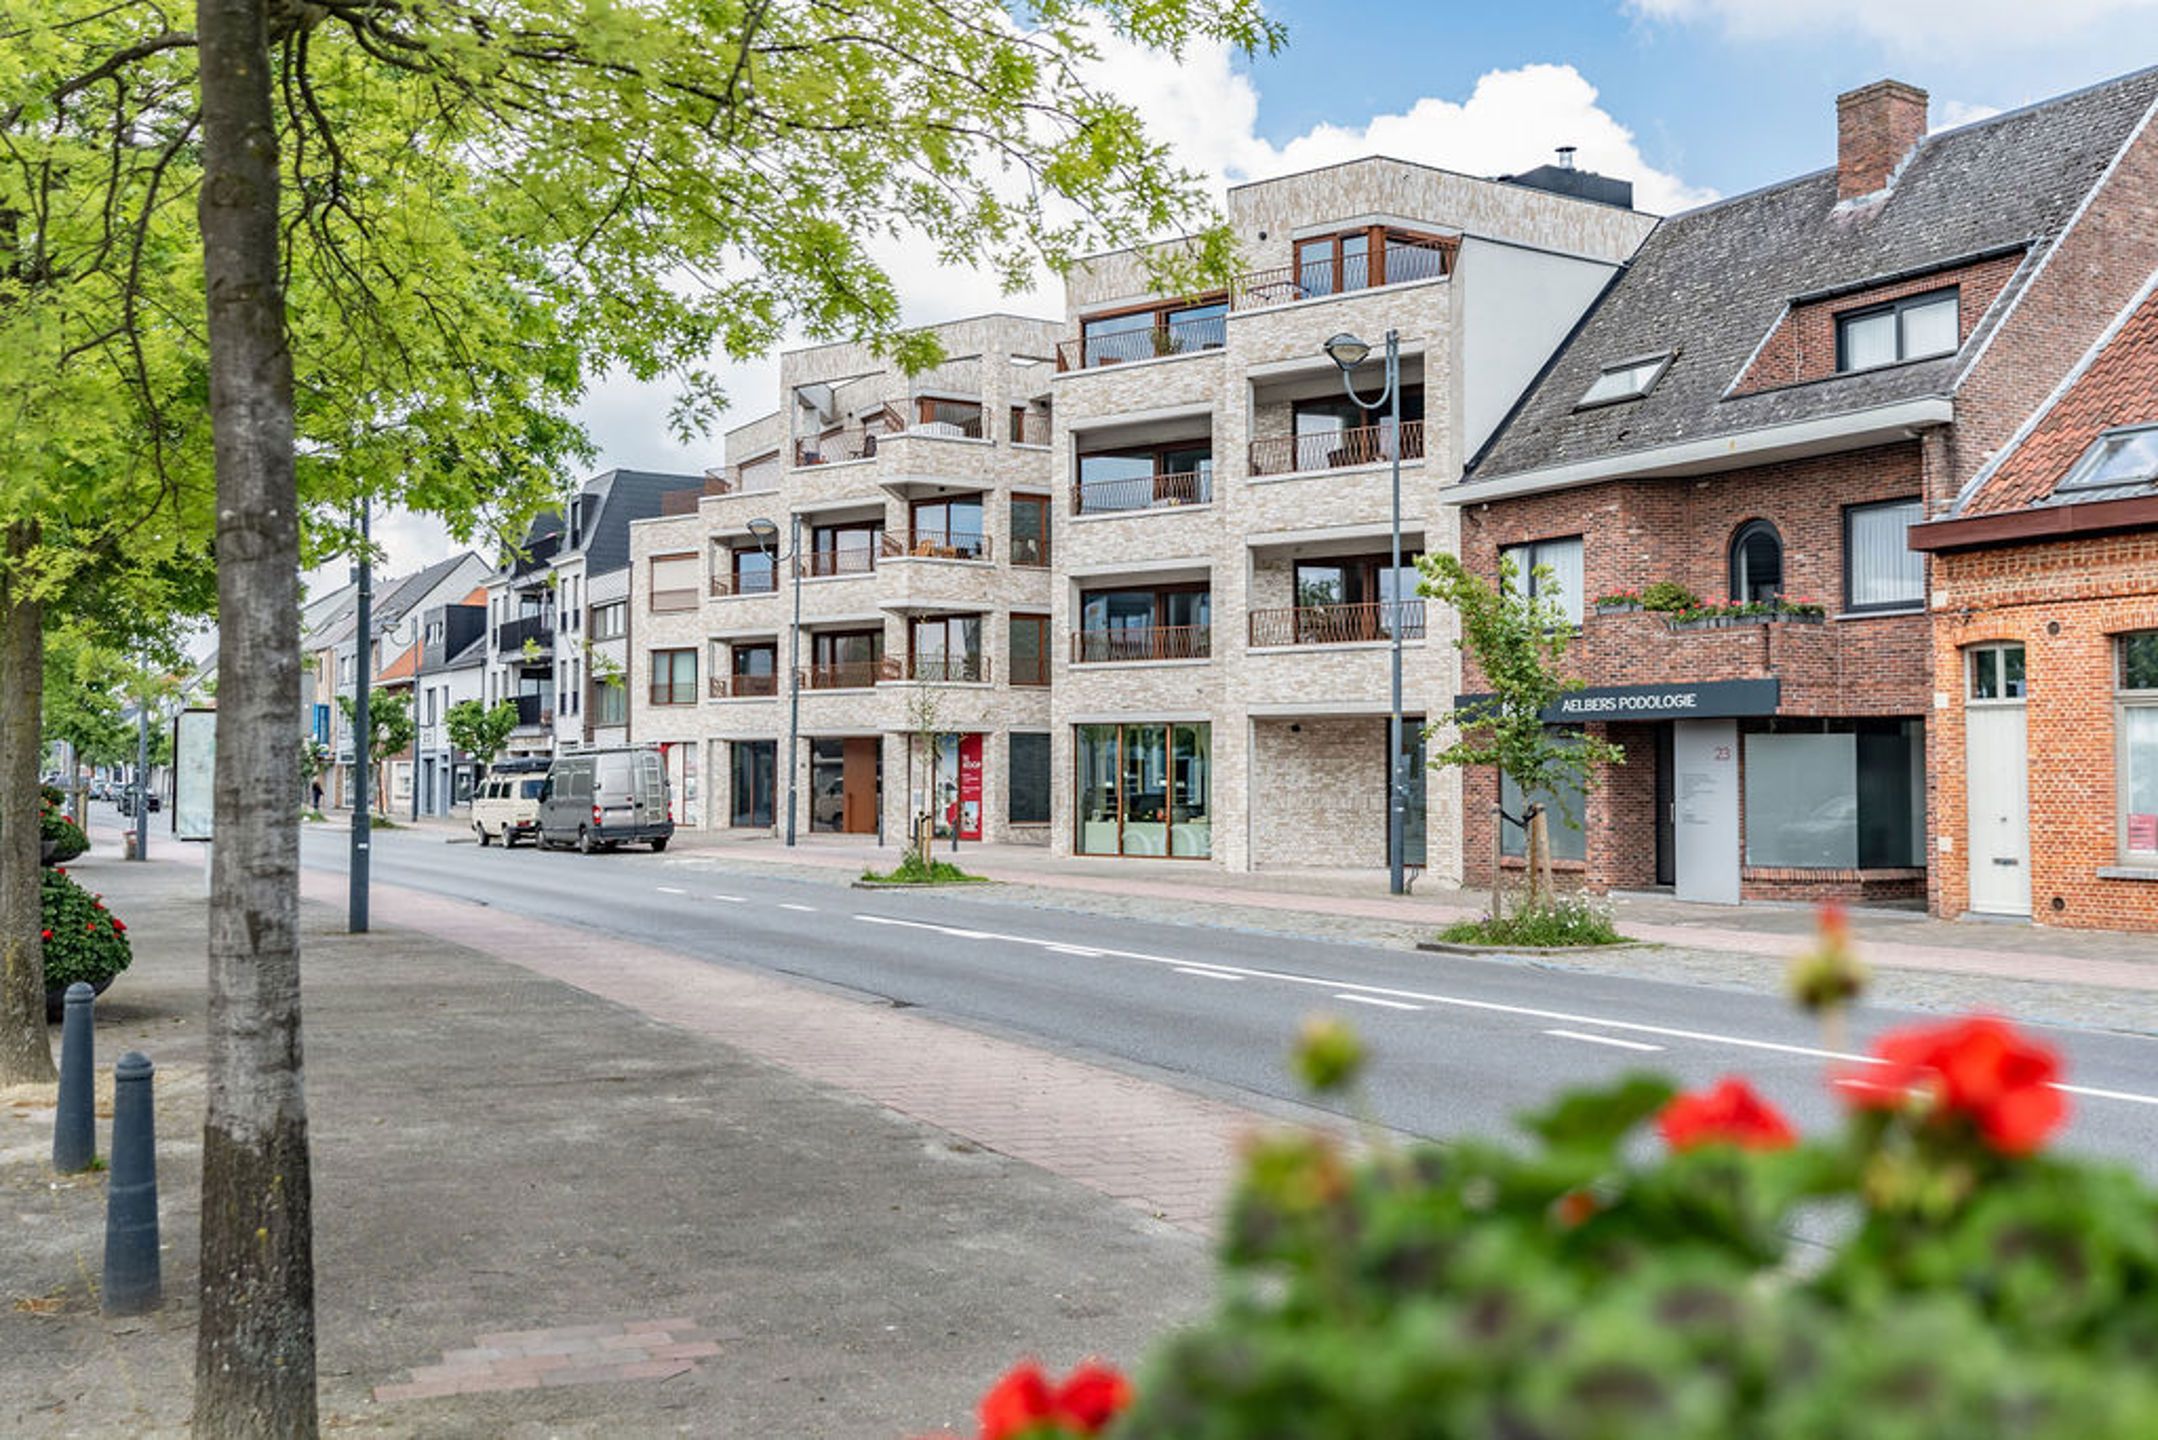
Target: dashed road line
<point x="731" y="899"/>
<point x="1602" y="1040"/>
<point x="1375" y="1000"/>
<point x="669" y="890"/>
<point x="790" y="905"/>
<point x="1208" y="974"/>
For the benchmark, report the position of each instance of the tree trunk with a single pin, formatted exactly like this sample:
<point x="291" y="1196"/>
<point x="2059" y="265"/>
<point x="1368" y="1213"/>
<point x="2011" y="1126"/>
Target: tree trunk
<point x="1498" y="864"/>
<point x="255" y="1349"/>
<point x="1539" y="858"/>
<point x="25" y="1047"/>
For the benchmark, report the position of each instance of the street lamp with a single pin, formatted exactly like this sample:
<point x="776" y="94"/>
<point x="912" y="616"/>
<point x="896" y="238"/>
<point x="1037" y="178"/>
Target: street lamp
<point x="1348" y="352"/>
<point x="766" y="533"/>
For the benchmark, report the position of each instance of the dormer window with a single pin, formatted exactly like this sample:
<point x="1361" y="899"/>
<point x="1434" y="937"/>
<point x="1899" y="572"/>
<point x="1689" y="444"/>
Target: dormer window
<point x="1627" y="380"/>
<point x="1913" y="328"/>
<point x="2123" y="457"/>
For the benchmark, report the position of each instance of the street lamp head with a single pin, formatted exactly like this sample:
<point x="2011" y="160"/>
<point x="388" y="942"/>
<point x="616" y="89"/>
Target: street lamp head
<point x="765" y="531"/>
<point x="1347" y="351"/>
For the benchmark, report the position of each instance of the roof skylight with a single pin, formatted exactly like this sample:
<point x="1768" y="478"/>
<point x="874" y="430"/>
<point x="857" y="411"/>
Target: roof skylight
<point x="1627" y="380"/>
<point x="2119" y="457"/>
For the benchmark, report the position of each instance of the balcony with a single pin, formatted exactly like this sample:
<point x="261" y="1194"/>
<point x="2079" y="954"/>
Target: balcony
<point x="725" y="584"/>
<point x="1402" y="261"/>
<point x="850" y="674"/>
<point x="1119" y="347"/>
<point x="511" y="635"/>
<point x="1030" y="427"/>
<point x="743" y="687"/>
<point x="534" y="711"/>
<point x="1163" y="490"/>
<point x="948" y="669"/>
<point x="1335" y="449"/>
<point x="1142" y="642"/>
<point x="1336" y="624"/>
<point x="944" y="419"/>
<point x="855" y="560"/>
<point x="935" y="545"/>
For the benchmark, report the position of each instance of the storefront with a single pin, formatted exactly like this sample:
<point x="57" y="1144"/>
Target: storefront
<point x="846" y="783"/>
<point x="1144" y="790"/>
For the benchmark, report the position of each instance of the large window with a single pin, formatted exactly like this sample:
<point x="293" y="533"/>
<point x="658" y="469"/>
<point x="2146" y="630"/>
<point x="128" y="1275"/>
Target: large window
<point x="610" y="621"/>
<point x="1144" y="790"/>
<point x="1347" y="599"/>
<point x="1880" y="569"/>
<point x="750" y="570"/>
<point x="950" y="529"/>
<point x="755" y="767"/>
<point x="1559" y="562"/>
<point x="1566" y="817"/>
<point x="1145" y="334"/>
<point x="1143" y="477"/>
<point x="845" y="549"/>
<point x="1836" y="794"/>
<point x="845" y="659"/>
<point x="2137" y="700"/>
<point x="753" y="669"/>
<point x="674" y="582"/>
<point x="1170" y="623"/>
<point x="1030" y="531"/>
<point x="1908" y="329"/>
<point x="1028" y="798"/>
<point x="610" y="702"/>
<point x="1028" y="650"/>
<point x="1756" y="563"/>
<point x="674" y="677"/>
<point x="945" y="648"/>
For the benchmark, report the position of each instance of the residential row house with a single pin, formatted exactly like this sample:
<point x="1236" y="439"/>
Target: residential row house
<point x="1845" y="414"/>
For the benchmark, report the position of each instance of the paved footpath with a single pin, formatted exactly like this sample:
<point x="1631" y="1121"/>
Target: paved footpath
<point x="575" y="1187"/>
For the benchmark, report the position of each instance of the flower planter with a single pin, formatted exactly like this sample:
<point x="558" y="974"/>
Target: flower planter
<point x="1627" y="609"/>
<point x="56" y="998"/>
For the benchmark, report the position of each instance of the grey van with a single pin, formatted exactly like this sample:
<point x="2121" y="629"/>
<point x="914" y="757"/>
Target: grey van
<point x="597" y="799"/>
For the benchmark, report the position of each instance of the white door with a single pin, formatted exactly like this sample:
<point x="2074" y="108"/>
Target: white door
<point x="1704" y="803"/>
<point x="1996" y="767"/>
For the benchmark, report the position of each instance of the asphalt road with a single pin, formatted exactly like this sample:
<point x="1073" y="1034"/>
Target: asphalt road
<point x="1460" y="1045"/>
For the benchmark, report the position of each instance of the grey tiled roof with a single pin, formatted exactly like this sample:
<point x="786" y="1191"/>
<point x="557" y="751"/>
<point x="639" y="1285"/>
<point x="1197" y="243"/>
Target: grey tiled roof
<point x="1710" y="283"/>
<point x="623" y="496"/>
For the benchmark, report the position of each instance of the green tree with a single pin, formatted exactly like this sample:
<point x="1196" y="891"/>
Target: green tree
<point x="390" y="728"/>
<point x="1518" y="642"/>
<point x="480" y="731"/>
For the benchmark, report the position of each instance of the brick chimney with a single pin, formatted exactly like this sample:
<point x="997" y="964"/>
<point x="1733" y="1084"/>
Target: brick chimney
<point x="1876" y="126"/>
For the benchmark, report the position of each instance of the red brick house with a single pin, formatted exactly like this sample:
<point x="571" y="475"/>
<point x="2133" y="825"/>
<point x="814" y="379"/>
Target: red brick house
<point x="1762" y="405"/>
<point x="2045" y="654"/>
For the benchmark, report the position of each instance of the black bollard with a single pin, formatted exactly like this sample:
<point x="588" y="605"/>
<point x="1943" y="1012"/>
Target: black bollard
<point x="74" y="1127"/>
<point x="132" y="1286"/>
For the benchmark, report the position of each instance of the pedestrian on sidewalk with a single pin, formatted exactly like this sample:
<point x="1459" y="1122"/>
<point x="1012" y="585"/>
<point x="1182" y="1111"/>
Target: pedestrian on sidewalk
<point x="315" y="789"/>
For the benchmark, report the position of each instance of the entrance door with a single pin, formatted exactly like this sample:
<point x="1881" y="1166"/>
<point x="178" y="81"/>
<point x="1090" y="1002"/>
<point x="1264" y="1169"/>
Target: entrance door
<point x="860" y="784"/>
<point x="1997" y="765"/>
<point x="1666" y="809"/>
<point x="1704" y="755"/>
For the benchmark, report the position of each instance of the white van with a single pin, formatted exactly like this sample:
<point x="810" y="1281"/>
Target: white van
<point x="506" y="807"/>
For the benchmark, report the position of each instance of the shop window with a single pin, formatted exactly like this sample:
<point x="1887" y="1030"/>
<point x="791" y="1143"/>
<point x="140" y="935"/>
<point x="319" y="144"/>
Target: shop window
<point x="1550" y="570"/>
<point x="2137" y="699"/>
<point x="1144" y="790"/>
<point x="1565" y="818"/>
<point x="1027" y="799"/>
<point x="1836" y="794"/>
<point x="1880" y="569"/>
<point x="1756" y="563"/>
<point x="755" y="769"/>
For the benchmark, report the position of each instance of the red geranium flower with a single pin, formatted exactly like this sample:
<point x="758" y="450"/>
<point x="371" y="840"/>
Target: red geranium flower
<point x="1024" y="1402"/>
<point x="1980" y="1068"/>
<point x="1092" y="1396"/>
<point x="1730" y="1114"/>
<point x="44" y="934"/>
<point x="117" y="927"/>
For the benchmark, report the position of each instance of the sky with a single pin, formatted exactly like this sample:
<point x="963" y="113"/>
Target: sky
<point x="1689" y="99"/>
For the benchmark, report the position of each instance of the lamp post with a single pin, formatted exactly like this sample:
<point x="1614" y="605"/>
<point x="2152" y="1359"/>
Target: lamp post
<point x="363" y="667"/>
<point x="766" y="532"/>
<point x="1348" y="352"/>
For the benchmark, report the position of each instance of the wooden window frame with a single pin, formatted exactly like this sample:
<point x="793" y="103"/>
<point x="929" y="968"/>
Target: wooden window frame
<point x="653" y="693"/>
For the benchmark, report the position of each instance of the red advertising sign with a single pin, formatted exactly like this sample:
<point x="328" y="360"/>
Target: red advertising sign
<point x="970" y="787"/>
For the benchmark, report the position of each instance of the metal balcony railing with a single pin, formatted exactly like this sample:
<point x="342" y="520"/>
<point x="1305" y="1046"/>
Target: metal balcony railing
<point x="1161" y="490"/>
<point x="755" y="583"/>
<point x="1335" y="449"/>
<point x="853" y="560"/>
<point x="1337" y="624"/>
<point x="1149" y="642"/>
<point x="850" y="674"/>
<point x="936" y="545"/>
<point x="1118" y="347"/>
<point x="949" y="669"/>
<point x="510" y="636"/>
<point x="534" y="710"/>
<point x="743" y="687"/>
<point x="1402" y="262"/>
<point x="1030" y="427"/>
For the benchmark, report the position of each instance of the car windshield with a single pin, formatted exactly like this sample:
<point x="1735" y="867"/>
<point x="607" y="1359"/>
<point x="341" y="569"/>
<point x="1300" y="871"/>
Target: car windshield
<point x="530" y="789"/>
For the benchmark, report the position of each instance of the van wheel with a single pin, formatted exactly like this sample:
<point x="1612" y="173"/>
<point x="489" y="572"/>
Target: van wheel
<point x="584" y="841"/>
<point x="481" y="831"/>
<point x="658" y="846"/>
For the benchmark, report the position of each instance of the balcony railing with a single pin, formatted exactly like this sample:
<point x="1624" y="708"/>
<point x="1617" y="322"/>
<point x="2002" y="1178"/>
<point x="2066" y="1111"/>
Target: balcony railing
<point x="1151" y="642"/>
<point x="835" y="448"/>
<point x="743" y="687"/>
<point x="511" y="635"/>
<point x="854" y="560"/>
<point x="949" y="669"/>
<point x="1030" y="427"/>
<point x="725" y="583"/>
<point x="1118" y="347"/>
<point x="1403" y="262"/>
<point x="936" y="545"/>
<point x="1337" y="624"/>
<point x="1162" y="490"/>
<point x="534" y="710"/>
<point x="951" y="419"/>
<point x="1335" y="449"/>
<point x="850" y="674"/>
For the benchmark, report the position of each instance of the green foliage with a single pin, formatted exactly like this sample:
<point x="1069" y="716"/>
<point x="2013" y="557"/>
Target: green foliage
<point x="68" y="839"/>
<point x="1593" y="1283"/>
<point x="1668" y="595"/>
<point x="911" y="871"/>
<point x="390" y="726"/>
<point x="1557" y="922"/>
<point x="1749" y="610"/>
<point x="82" y="939"/>
<point x="480" y="731"/>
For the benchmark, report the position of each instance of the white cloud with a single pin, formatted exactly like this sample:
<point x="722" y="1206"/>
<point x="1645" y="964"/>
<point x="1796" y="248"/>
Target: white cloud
<point x="1950" y="113"/>
<point x="1960" y="25"/>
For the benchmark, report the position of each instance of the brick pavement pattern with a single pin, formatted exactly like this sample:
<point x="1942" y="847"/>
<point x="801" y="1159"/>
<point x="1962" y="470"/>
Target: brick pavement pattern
<point x="564" y="1355"/>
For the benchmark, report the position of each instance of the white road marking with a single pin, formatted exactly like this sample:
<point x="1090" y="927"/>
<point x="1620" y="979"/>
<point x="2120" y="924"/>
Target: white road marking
<point x="1208" y="974"/>
<point x="790" y="905"/>
<point x="1492" y="1007"/>
<point x="1375" y="1000"/>
<point x="1602" y="1040"/>
<point x="731" y="899"/>
<point x="669" y="890"/>
<point x="1080" y="950"/>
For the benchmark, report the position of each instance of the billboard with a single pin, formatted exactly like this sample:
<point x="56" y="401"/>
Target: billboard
<point x="194" y="773"/>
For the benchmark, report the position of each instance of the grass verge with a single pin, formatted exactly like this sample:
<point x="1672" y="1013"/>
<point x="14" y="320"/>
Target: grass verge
<point x="910" y="871"/>
<point x="1561" y="923"/>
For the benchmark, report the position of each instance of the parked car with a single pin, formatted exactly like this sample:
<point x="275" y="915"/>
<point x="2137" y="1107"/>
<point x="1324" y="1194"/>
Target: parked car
<point x="598" y="799"/>
<point x="505" y="807"/>
<point x="127" y="801"/>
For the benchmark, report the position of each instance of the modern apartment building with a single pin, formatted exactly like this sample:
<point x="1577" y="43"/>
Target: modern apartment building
<point x="1223" y="600"/>
<point x="1779" y="390"/>
<point x="907" y="522"/>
